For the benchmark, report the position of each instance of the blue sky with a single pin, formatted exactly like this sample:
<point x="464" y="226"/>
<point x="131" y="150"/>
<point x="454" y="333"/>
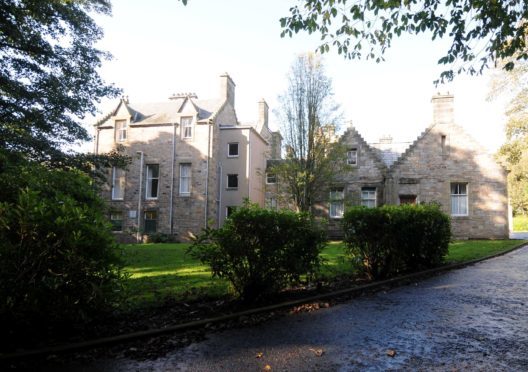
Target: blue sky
<point x="161" y="47"/>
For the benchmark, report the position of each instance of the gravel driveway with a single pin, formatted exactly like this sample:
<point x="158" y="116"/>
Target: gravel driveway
<point x="474" y="318"/>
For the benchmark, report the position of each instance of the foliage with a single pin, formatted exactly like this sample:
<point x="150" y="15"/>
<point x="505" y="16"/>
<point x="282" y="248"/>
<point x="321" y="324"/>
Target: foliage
<point x="480" y="32"/>
<point x="308" y="117"/>
<point x="394" y="239"/>
<point x="59" y="264"/>
<point x="160" y="238"/>
<point x="48" y="75"/>
<point x="514" y="153"/>
<point x="161" y="271"/>
<point x="260" y="251"/>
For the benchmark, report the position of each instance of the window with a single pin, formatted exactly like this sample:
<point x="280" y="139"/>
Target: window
<point x="230" y="210"/>
<point x="443" y="143"/>
<point x="407" y="199"/>
<point x="185" y="179"/>
<point x="121" y="130"/>
<point x="152" y="181"/>
<point x="232" y="181"/>
<point x="232" y="150"/>
<point x="186" y="125"/>
<point x="271" y="178"/>
<point x="352" y="156"/>
<point x="337" y="202"/>
<point x="118" y="183"/>
<point x="368" y="197"/>
<point x="271" y="203"/>
<point x="116" y="219"/>
<point x="151" y="221"/>
<point x="459" y="199"/>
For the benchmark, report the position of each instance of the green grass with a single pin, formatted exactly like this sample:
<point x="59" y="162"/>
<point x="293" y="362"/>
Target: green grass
<point x="159" y="271"/>
<point x="520" y="223"/>
<point x="466" y="250"/>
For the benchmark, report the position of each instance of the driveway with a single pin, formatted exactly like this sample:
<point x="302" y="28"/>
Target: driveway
<point x="474" y="318"/>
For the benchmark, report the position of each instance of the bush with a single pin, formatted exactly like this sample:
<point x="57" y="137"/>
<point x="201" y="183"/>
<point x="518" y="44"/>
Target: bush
<point x="59" y="264"/>
<point x="391" y="240"/>
<point x="261" y="251"/>
<point x="161" y="238"/>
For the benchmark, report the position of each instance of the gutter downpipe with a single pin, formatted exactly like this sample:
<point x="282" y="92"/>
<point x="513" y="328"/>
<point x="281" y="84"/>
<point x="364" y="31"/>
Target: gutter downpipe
<point x="139" y="193"/>
<point x="171" y="217"/>
<point x="219" y="208"/>
<point x="249" y="164"/>
<point x="206" y="209"/>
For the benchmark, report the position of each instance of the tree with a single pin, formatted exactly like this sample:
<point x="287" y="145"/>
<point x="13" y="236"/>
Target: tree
<point x="48" y="74"/>
<point x="480" y="31"/>
<point x="308" y="117"/>
<point x="514" y="153"/>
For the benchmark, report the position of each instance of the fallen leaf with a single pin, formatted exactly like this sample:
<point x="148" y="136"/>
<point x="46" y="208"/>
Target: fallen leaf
<point x="259" y="355"/>
<point x="391" y="353"/>
<point x="267" y="367"/>
<point x="317" y="352"/>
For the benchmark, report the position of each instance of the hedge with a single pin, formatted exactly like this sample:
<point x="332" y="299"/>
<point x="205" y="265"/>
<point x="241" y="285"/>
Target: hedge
<point x="392" y="240"/>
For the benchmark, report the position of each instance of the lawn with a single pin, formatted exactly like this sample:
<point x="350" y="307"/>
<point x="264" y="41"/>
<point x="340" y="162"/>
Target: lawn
<point x="520" y="223"/>
<point x="159" y="271"/>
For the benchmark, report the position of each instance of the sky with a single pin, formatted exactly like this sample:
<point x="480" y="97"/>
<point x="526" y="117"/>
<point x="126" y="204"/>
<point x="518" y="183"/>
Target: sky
<point x="161" y="47"/>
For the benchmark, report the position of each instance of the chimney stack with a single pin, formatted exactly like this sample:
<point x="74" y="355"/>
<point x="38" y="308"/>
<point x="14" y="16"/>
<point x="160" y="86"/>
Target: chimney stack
<point x="227" y="89"/>
<point x="276" y="145"/>
<point x="443" y="109"/>
<point x="262" y="114"/>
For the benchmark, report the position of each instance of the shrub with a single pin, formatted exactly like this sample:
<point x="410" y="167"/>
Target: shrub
<point x="161" y="238"/>
<point x="395" y="239"/>
<point x="261" y="251"/>
<point x="59" y="264"/>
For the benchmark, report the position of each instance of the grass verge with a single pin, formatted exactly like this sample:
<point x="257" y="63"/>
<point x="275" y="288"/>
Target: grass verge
<point x="520" y="223"/>
<point x="160" y="271"/>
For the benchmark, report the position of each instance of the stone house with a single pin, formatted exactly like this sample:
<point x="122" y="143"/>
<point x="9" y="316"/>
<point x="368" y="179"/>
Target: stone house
<point x="192" y="162"/>
<point x="443" y="165"/>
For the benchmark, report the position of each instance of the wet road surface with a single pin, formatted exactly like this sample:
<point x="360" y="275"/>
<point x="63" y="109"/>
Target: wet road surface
<point x="471" y="319"/>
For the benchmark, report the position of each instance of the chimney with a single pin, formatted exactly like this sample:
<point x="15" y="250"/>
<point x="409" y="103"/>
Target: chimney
<point x="262" y="114"/>
<point x="443" y="108"/>
<point x="276" y="145"/>
<point x="227" y="89"/>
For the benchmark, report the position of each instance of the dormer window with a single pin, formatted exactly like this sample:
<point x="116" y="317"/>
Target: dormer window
<point x="121" y="130"/>
<point x="186" y="125"/>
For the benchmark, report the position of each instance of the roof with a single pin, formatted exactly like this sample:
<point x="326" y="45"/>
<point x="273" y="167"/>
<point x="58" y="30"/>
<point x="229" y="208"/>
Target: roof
<point x="389" y="153"/>
<point x="168" y="111"/>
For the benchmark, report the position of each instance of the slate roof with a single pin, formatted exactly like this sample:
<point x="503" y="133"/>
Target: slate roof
<point x="389" y="153"/>
<point x="168" y="111"/>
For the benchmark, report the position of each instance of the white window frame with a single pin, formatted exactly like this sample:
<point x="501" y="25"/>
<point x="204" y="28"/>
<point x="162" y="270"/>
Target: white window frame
<point x="187" y="127"/>
<point x="272" y="177"/>
<point x="150" y="179"/>
<point x="336" y="207"/>
<point x="118" y="179"/>
<point x="185" y="179"/>
<point x="232" y="187"/>
<point x="459" y="197"/>
<point x="369" y="194"/>
<point x="121" y="128"/>
<point x="229" y="155"/>
<point x="352" y="154"/>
